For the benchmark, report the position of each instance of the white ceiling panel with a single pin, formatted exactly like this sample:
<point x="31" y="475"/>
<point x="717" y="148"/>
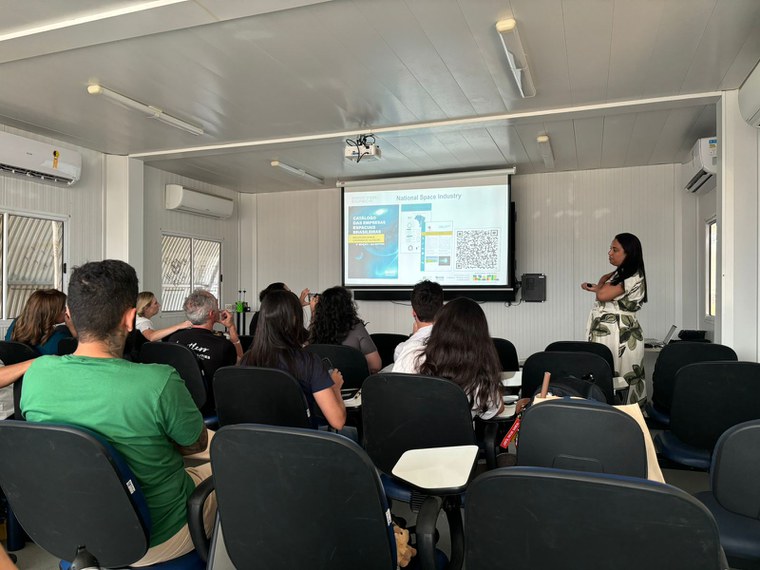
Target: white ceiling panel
<point x="616" y="138"/>
<point x="292" y="79"/>
<point x="588" y="142"/>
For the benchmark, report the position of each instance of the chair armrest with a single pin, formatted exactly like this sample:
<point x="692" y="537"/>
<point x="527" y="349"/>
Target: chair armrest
<point x="425" y="530"/>
<point x="195" y="517"/>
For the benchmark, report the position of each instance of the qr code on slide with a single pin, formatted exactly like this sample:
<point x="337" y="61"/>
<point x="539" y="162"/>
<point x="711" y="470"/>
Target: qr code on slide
<point x="477" y="249"/>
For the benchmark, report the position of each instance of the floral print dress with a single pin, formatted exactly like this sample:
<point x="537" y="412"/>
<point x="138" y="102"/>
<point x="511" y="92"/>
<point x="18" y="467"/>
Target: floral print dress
<point x="614" y="324"/>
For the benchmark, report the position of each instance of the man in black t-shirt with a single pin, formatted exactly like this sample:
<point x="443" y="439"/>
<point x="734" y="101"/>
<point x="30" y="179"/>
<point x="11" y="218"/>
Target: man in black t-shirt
<point x="211" y="349"/>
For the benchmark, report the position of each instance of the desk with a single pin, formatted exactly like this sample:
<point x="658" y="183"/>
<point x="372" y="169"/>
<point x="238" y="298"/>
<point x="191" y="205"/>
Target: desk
<point x="511" y="379"/>
<point x="442" y="469"/>
<point x="355" y="402"/>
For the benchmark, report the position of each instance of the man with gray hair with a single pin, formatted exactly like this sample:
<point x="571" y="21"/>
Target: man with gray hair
<point x="211" y="348"/>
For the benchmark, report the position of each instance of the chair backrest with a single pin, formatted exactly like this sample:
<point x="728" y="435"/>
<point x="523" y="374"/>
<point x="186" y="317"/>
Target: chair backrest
<point x="321" y="485"/>
<point x="507" y="354"/>
<point x="12" y="352"/>
<point x="711" y="397"/>
<point x="249" y="394"/>
<point x="410" y="411"/>
<point x="67" y="345"/>
<point x="735" y="469"/>
<point x="351" y="362"/>
<point x="386" y="344"/>
<point x="584" y="346"/>
<point x="672" y="357"/>
<point x="582" y="435"/>
<point x="183" y="360"/>
<point x="67" y="487"/>
<point x="560" y="364"/>
<point x="534" y="518"/>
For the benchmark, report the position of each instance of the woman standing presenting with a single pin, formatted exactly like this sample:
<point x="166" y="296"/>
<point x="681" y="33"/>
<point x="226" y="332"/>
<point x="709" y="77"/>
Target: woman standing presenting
<point x="612" y="322"/>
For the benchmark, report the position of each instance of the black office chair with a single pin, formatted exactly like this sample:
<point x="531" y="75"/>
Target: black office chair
<point x="734" y="495"/>
<point x="583" y="346"/>
<point x="584" y="365"/>
<point x="534" y="518"/>
<point x="410" y="411"/>
<point x="67" y="345"/>
<point x="249" y="394"/>
<point x="670" y="360"/>
<point x="582" y="435"/>
<point x="70" y="488"/>
<point x="12" y="352"/>
<point x="507" y="354"/>
<point x="321" y="486"/>
<point x="386" y="344"/>
<point x="351" y="363"/>
<point x="708" y="399"/>
<point x="183" y="360"/>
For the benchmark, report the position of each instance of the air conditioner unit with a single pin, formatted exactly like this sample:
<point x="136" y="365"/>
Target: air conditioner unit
<point x="749" y="98"/>
<point x="699" y="172"/>
<point x="20" y="156"/>
<point x="183" y="199"/>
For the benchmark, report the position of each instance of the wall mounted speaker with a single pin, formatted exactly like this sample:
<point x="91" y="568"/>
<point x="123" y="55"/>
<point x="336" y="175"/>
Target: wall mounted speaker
<point x="534" y="287"/>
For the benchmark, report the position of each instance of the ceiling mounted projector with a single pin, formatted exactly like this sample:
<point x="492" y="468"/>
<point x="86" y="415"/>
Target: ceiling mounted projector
<point x="362" y="148"/>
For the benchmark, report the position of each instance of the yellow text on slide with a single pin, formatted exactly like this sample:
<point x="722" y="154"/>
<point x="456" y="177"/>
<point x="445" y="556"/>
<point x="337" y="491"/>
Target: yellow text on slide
<point x="369" y="238"/>
<point x="441" y="233"/>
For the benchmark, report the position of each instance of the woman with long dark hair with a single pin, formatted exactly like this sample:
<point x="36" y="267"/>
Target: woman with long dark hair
<point x="278" y="343"/>
<point x="460" y="348"/>
<point x="335" y="321"/>
<point x="40" y="324"/>
<point x="612" y="322"/>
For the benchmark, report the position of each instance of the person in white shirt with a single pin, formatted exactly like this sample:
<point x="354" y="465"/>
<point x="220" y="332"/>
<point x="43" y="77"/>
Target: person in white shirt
<point x="427" y="300"/>
<point x="148" y="307"/>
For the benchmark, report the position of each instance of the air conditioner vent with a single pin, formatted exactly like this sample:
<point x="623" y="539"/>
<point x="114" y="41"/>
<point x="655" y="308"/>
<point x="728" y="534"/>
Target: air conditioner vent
<point x="35" y="174"/>
<point x="28" y="158"/>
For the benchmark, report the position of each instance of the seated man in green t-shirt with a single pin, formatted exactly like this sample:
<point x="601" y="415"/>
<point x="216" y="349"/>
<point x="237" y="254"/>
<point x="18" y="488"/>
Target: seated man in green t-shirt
<point x="143" y="410"/>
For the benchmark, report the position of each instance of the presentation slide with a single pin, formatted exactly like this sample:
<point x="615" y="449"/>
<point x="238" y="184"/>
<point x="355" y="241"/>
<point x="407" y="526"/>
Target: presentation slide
<point x="457" y="236"/>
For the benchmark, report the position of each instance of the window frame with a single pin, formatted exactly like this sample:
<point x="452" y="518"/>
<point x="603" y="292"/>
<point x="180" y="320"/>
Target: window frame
<point x="711" y="287"/>
<point x="49" y="216"/>
<point x="193" y="238"/>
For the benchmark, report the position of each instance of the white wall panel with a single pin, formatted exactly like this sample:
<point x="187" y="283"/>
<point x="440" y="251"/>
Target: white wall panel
<point x="565" y="223"/>
<point x="82" y="203"/>
<point x="158" y="220"/>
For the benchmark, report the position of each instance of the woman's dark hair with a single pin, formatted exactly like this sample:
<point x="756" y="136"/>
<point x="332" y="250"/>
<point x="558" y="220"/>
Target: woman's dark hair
<point x="460" y="348"/>
<point x="279" y="334"/>
<point x="633" y="262"/>
<point x="42" y="311"/>
<point x="277" y="286"/>
<point x="334" y="316"/>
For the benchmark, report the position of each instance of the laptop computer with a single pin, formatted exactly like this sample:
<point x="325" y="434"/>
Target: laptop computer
<point x="655" y="343"/>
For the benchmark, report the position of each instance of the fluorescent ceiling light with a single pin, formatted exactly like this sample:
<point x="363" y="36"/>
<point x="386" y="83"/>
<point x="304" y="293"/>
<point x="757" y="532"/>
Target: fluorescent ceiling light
<point x="151" y="111"/>
<point x="297" y="172"/>
<point x="518" y="63"/>
<point x="545" y="148"/>
<point x="96" y="17"/>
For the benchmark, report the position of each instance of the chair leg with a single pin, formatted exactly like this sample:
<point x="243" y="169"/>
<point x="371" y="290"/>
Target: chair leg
<point x="425" y="530"/>
<point x="452" y="506"/>
<point x="16" y="534"/>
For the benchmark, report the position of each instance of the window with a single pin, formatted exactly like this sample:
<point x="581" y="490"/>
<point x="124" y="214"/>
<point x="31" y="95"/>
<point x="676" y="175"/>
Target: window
<point x="187" y="264"/>
<point x="711" y="299"/>
<point x="31" y="258"/>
